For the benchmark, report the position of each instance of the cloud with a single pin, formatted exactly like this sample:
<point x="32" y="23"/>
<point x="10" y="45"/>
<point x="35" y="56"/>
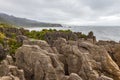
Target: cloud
<point x="73" y="12"/>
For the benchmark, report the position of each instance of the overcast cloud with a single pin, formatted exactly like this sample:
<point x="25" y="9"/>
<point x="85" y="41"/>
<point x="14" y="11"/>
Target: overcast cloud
<point x="72" y="12"/>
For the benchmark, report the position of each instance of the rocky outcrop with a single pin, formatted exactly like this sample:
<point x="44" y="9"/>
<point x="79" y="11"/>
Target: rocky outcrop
<point x="51" y="36"/>
<point x="91" y="37"/>
<point x="21" y="38"/>
<point x="8" y="71"/>
<point x="2" y="53"/>
<point x="11" y="31"/>
<point x="38" y="64"/>
<point x="87" y="60"/>
<point x="113" y="48"/>
<point x="116" y="53"/>
<point x="63" y="56"/>
<point x="42" y="44"/>
<point x="66" y="60"/>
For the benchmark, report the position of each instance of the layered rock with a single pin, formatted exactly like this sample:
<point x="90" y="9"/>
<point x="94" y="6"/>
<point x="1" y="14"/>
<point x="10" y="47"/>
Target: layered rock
<point x="74" y="76"/>
<point x="69" y="60"/>
<point x="113" y="48"/>
<point x="42" y="44"/>
<point x="74" y="56"/>
<point x="91" y="37"/>
<point x="87" y="60"/>
<point x="21" y="38"/>
<point x="8" y="71"/>
<point x="38" y="64"/>
<point x="51" y="36"/>
<point x="2" y="53"/>
<point x="115" y="52"/>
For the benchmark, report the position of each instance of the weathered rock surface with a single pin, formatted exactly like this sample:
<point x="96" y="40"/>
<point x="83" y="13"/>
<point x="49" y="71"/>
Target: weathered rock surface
<point x="38" y="64"/>
<point x="74" y="56"/>
<point x="74" y="76"/>
<point x="42" y="44"/>
<point x="21" y="38"/>
<point x="87" y="60"/>
<point x="116" y="54"/>
<point x="74" y="60"/>
<point x="9" y="31"/>
<point x="10" y="72"/>
<point x="51" y="36"/>
<point x="102" y="77"/>
<point x="2" y="53"/>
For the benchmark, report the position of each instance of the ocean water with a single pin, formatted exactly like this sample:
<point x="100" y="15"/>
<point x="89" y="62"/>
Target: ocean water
<point x="101" y="32"/>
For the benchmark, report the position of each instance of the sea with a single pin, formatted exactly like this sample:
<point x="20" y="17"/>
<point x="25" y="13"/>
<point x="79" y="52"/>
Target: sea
<point x="107" y="33"/>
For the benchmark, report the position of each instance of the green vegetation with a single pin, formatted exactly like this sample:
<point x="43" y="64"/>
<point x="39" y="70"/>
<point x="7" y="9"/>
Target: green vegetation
<point x="13" y="45"/>
<point x="8" y="34"/>
<point x="82" y="36"/>
<point x="2" y="37"/>
<point x="4" y="25"/>
<point x="41" y="34"/>
<point x="8" y="42"/>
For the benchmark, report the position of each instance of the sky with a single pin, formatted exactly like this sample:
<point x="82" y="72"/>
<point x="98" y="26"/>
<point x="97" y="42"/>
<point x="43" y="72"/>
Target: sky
<point x="70" y="12"/>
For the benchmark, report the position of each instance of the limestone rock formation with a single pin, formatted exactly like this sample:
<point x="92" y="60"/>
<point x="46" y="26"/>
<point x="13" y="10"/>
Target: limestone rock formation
<point x="10" y="72"/>
<point x="102" y="77"/>
<point x="21" y="38"/>
<point x="89" y="61"/>
<point x="38" y="64"/>
<point x="116" y="54"/>
<point x="74" y="76"/>
<point x="2" y="53"/>
<point x="62" y="56"/>
<point x="42" y="44"/>
<point x="51" y="36"/>
<point x="74" y="60"/>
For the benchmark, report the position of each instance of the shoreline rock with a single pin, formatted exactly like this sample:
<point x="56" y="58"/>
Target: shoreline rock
<point x="82" y="58"/>
<point x="61" y="56"/>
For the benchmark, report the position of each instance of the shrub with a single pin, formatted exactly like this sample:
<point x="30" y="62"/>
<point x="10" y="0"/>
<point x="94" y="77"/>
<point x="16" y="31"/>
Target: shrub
<point x="2" y="37"/>
<point x="41" y="34"/>
<point x="13" y="45"/>
<point x="4" y="25"/>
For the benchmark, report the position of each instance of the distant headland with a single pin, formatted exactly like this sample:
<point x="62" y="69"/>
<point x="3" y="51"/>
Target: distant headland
<point x="23" y="22"/>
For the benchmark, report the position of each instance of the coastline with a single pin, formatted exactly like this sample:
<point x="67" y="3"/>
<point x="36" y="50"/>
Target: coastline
<point x="56" y="55"/>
